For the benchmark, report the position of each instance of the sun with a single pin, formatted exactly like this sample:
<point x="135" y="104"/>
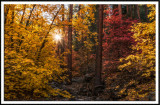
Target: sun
<point x="57" y="37"/>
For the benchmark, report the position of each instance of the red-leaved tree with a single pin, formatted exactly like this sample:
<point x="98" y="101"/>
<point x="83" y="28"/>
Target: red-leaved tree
<point x="117" y="39"/>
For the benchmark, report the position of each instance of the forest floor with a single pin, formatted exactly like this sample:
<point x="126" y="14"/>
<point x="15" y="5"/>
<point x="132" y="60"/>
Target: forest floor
<point x="82" y="89"/>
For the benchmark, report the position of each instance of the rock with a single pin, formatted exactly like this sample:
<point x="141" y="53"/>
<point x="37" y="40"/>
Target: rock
<point x="80" y="99"/>
<point x="83" y="91"/>
<point x="54" y="84"/>
<point x="98" y="99"/>
<point x="98" y="89"/>
<point x="87" y="98"/>
<point x="151" y="96"/>
<point x="88" y="77"/>
<point x="78" y="79"/>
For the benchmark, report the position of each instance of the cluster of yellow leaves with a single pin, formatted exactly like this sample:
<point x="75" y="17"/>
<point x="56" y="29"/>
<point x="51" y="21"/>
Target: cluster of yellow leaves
<point x="144" y="62"/>
<point x="81" y="24"/>
<point x="25" y="77"/>
<point x="85" y="36"/>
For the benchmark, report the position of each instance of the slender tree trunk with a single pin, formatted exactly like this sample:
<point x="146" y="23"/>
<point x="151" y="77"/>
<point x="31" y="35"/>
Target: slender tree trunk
<point x="58" y="48"/>
<point x="27" y="23"/>
<point x="135" y="12"/>
<point x="45" y="40"/>
<point x="23" y="13"/>
<point x="138" y="13"/>
<point x="30" y="15"/>
<point x="87" y="60"/>
<point x="81" y="16"/>
<point x="20" y="41"/>
<point x="12" y="15"/>
<point x="70" y="44"/>
<point x="146" y="12"/>
<point x="98" y="81"/>
<point x="6" y="12"/>
<point x="79" y="10"/>
<point x="127" y="8"/>
<point x="11" y="38"/>
<point x="131" y="10"/>
<point x="115" y="6"/>
<point x="63" y="31"/>
<point x="120" y="10"/>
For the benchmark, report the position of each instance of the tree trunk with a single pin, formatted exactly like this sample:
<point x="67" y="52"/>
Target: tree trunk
<point x="23" y="13"/>
<point x="127" y="8"/>
<point x="12" y="43"/>
<point x="45" y="40"/>
<point x="12" y="14"/>
<point x="27" y="23"/>
<point x="30" y="15"/>
<point x="138" y="13"/>
<point x="20" y="41"/>
<point x="63" y="31"/>
<point x="99" y="48"/>
<point x="135" y="12"/>
<point x="131" y="10"/>
<point x="6" y="13"/>
<point x="70" y="45"/>
<point x="81" y="16"/>
<point x="120" y="10"/>
<point x="115" y="6"/>
<point x="79" y="10"/>
<point x="146" y="12"/>
<point x="58" y="48"/>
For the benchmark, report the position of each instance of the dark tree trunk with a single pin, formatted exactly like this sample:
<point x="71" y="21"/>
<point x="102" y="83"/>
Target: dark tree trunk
<point x="12" y="16"/>
<point x="127" y="8"/>
<point x="135" y="12"/>
<point x="58" y="48"/>
<point x="81" y="16"/>
<point x="138" y="13"/>
<point x="120" y="10"/>
<point x="70" y="45"/>
<point x="115" y="6"/>
<point x="20" y="41"/>
<point x="146" y="12"/>
<point x="27" y="23"/>
<point x="79" y="10"/>
<point x="63" y="31"/>
<point x="45" y="39"/>
<point x="131" y="11"/>
<point x="12" y="43"/>
<point x="30" y="15"/>
<point x="5" y="14"/>
<point x="23" y="13"/>
<point x="98" y="70"/>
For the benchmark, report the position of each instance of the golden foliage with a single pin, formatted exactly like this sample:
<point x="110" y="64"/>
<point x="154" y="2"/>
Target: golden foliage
<point x="144" y="61"/>
<point x="25" y="77"/>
